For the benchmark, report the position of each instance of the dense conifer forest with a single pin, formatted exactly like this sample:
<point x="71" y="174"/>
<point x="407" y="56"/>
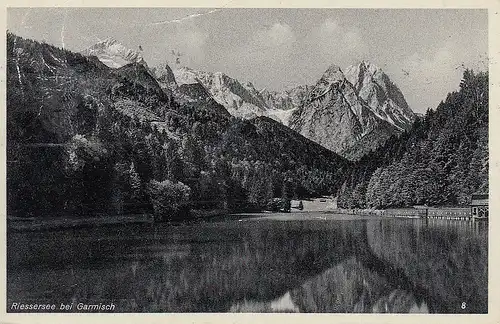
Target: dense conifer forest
<point x="441" y="161"/>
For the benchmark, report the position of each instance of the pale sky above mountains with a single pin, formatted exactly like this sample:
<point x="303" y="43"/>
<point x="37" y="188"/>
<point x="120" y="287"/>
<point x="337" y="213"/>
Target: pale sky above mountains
<point x="422" y="50"/>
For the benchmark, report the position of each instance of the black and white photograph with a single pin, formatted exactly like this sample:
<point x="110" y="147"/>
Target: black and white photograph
<point x="247" y="160"/>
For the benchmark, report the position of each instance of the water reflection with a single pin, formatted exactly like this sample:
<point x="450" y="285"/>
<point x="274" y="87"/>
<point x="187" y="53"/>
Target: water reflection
<point x="257" y="266"/>
<point x="447" y="259"/>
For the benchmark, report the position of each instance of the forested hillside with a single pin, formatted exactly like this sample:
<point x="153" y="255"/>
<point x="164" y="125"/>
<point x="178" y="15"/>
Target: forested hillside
<point x="442" y="160"/>
<point x="83" y="138"/>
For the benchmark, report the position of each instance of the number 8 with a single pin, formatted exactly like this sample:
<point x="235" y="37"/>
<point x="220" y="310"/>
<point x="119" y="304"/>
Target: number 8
<point x="464" y="305"/>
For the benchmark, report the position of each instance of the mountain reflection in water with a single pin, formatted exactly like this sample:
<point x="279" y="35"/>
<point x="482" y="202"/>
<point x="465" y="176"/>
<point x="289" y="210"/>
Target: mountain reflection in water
<point x="395" y="266"/>
<point x="345" y="288"/>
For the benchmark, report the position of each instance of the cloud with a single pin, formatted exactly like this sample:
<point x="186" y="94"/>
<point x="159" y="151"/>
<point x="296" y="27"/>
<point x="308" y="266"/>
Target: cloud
<point x="339" y="41"/>
<point x="191" y="42"/>
<point x="271" y="45"/>
<point x="265" y="53"/>
<point x="432" y="76"/>
<point x="353" y="41"/>
<point x="328" y="27"/>
<point x="188" y="40"/>
<point x="440" y="66"/>
<point x="276" y="35"/>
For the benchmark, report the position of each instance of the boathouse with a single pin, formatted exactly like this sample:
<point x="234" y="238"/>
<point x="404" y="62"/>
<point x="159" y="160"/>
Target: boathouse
<point x="479" y="206"/>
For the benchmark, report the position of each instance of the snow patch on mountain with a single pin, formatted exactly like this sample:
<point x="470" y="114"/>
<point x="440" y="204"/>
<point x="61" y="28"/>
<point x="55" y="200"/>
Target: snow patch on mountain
<point x="241" y="100"/>
<point x="280" y="115"/>
<point x="114" y="54"/>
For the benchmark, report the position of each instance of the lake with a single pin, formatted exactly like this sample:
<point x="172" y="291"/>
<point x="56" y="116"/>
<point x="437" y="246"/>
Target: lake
<point x="299" y="262"/>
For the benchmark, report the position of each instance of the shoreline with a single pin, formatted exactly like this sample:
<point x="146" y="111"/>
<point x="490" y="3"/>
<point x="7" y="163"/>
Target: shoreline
<point x="32" y="224"/>
<point x="18" y="224"/>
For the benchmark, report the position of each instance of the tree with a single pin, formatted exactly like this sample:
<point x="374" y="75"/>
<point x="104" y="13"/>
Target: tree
<point x="168" y="199"/>
<point x="192" y="156"/>
<point x="286" y="205"/>
<point x="174" y="166"/>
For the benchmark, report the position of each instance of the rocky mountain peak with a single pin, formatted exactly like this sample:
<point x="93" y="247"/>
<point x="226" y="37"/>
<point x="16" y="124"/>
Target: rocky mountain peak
<point x="332" y="74"/>
<point x="352" y="111"/>
<point x="369" y="66"/>
<point x="164" y="74"/>
<point x="364" y="72"/>
<point x="382" y="96"/>
<point x="185" y="75"/>
<point x="114" y="54"/>
<point x="109" y="41"/>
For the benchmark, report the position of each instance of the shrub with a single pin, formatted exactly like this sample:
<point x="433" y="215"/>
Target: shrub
<point x="169" y="199"/>
<point x="285" y="205"/>
<point x="279" y="205"/>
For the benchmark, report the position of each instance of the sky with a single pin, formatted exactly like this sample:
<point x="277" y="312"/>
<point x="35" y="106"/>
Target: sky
<point x="424" y="51"/>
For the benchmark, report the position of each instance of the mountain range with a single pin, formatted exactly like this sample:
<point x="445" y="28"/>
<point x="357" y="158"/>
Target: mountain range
<point x="87" y="136"/>
<point x="105" y="132"/>
<point x="350" y="113"/>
